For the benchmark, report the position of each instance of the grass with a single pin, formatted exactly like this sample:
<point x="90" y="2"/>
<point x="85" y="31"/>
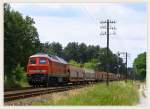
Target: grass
<point x="118" y="93"/>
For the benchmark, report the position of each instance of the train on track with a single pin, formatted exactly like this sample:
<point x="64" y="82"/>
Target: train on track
<point x="44" y="69"/>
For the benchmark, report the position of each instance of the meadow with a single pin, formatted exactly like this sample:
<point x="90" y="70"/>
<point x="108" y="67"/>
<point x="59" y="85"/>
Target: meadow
<point x="117" y="93"/>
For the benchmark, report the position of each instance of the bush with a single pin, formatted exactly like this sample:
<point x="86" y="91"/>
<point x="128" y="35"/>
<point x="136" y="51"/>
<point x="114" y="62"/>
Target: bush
<point x="17" y="79"/>
<point x="18" y="72"/>
<point x="74" y="63"/>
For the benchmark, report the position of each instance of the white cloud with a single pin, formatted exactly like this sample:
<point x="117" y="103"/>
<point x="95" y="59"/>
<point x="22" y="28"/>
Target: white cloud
<point x="65" y="30"/>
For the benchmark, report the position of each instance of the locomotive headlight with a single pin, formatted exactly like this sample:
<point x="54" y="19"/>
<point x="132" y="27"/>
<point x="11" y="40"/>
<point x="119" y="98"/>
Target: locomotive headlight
<point x="43" y="71"/>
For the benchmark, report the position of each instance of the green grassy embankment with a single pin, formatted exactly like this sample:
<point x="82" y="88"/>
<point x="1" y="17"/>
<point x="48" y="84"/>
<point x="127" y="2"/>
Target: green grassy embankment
<point x="118" y="93"/>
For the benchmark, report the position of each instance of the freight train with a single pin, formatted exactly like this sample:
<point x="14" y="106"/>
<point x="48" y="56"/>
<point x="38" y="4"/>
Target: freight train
<point x="44" y="69"/>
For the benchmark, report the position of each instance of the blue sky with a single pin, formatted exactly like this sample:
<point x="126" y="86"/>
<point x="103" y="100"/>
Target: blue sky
<point x="65" y="11"/>
<point x="52" y="10"/>
<point x="80" y="23"/>
<point x="137" y="6"/>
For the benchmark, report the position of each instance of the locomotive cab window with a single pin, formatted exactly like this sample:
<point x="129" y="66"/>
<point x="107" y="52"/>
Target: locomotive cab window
<point x="42" y="61"/>
<point x="32" y="61"/>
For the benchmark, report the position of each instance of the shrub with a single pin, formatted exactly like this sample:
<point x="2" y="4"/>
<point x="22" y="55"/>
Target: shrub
<point x="17" y="79"/>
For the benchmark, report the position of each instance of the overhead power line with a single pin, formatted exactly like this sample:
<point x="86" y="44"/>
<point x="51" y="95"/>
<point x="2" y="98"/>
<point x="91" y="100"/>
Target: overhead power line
<point x="89" y="15"/>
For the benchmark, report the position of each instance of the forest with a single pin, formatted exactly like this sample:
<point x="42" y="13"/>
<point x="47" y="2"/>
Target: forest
<point x="21" y="40"/>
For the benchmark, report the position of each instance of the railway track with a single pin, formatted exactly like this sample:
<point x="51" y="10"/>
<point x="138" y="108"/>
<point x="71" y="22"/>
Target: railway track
<point x="20" y="94"/>
<point x="13" y="89"/>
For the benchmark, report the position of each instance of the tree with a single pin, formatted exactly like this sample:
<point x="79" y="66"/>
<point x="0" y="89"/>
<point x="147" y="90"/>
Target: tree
<point x="71" y="52"/>
<point x="82" y="53"/>
<point x="20" y="39"/>
<point x="139" y="66"/>
<point x="92" y="52"/>
<point x="53" y="48"/>
<point x="56" y="48"/>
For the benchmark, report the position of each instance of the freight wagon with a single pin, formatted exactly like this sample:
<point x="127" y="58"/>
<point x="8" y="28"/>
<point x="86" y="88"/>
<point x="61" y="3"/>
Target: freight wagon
<point x="76" y="74"/>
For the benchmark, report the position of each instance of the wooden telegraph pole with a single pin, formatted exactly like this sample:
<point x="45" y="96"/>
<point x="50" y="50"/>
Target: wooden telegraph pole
<point x="126" y="61"/>
<point x="106" y="25"/>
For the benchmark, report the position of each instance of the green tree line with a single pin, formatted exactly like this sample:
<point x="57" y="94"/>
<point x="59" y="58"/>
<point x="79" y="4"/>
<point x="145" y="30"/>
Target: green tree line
<point x="82" y="55"/>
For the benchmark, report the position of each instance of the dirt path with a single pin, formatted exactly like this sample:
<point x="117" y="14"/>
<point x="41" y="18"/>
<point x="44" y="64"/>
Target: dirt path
<point x="143" y="100"/>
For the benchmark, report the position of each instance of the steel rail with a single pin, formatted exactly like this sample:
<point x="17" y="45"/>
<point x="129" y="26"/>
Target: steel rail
<point x="20" y="94"/>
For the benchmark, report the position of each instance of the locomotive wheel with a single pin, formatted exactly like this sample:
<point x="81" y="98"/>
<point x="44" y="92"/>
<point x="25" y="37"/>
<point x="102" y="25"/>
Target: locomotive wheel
<point x="34" y="85"/>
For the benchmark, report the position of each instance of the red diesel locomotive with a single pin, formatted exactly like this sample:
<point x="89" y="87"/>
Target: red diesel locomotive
<point x="46" y="69"/>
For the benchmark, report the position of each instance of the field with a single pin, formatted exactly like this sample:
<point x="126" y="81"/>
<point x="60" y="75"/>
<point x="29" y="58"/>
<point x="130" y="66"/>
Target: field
<point x="117" y="93"/>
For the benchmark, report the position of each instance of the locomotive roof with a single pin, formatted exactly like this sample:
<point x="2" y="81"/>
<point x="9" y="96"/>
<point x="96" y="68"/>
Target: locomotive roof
<point x="51" y="57"/>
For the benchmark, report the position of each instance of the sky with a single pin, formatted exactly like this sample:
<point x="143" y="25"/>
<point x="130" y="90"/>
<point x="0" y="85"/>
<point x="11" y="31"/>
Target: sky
<point x="66" y="23"/>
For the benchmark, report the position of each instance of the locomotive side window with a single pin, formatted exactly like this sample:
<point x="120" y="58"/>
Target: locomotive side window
<point x="32" y="61"/>
<point x="42" y="61"/>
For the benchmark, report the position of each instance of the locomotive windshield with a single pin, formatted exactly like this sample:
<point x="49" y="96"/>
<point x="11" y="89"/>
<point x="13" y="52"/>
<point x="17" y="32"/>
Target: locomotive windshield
<point x="42" y="61"/>
<point x="32" y="61"/>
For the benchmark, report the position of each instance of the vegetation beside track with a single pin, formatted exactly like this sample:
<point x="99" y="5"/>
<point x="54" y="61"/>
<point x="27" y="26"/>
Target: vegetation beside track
<point x="18" y="80"/>
<point x="118" y="93"/>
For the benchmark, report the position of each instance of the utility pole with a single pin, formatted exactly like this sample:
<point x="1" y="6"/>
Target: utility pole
<point x="118" y="65"/>
<point x="126" y="66"/>
<point x="126" y="61"/>
<point x="107" y="28"/>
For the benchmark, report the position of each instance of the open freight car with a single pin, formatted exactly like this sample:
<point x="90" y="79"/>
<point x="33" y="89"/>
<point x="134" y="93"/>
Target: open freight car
<point x="76" y="74"/>
<point x="89" y="75"/>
